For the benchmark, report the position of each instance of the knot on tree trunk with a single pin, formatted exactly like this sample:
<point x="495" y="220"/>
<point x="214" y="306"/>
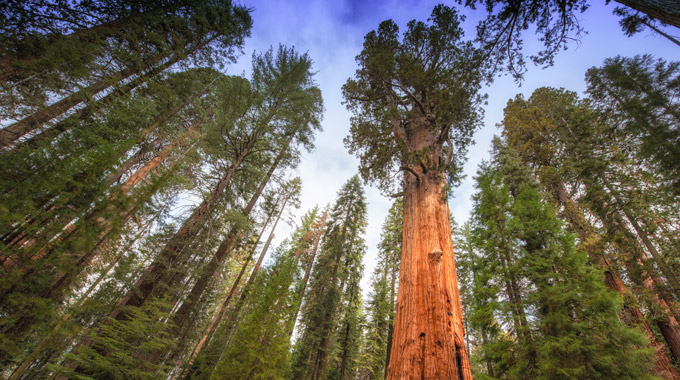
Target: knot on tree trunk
<point x="435" y="256"/>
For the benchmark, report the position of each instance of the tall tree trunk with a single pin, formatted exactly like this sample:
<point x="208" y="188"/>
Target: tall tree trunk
<point x="428" y="330"/>
<point x="233" y="321"/>
<point x="390" y="324"/>
<point x="227" y="246"/>
<point x="663" y="366"/>
<point x="223" y="251"/>
<point x="671" y="278"/>
<point x="155" y="273"/>
<point x="666" y="11"/>
<point x="345" y="351"/>
<point x="117" y="92"/>
<point x="15" y="131"/>
<point x="308" y="268"/>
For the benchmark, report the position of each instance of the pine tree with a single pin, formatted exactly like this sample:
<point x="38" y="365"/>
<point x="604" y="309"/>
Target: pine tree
<point x="639" y="96"/>
<point x="132" y="40"/>
<point x="379" y="313"/>
<point x="261" y="344"/>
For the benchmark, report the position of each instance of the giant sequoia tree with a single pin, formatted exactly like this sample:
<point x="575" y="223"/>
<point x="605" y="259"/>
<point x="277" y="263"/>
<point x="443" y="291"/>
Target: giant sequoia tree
<point x="415" y="108"/>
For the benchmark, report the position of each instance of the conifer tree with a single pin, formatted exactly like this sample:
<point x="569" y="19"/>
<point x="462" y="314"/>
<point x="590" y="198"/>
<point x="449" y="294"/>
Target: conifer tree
<point x="131" y="40"/>
<point x="639" y="95"/>
<point x="261" y="344"/>
<point x="550" y="295"/>
<point x="332" y="276"/>
<point x="415" y="103"/>
<point x="379" y="311"/>
<point x="570" y="154"/>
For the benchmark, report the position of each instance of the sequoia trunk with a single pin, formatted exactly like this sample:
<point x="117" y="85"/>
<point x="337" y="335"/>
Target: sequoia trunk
<point x="428" y="341"/>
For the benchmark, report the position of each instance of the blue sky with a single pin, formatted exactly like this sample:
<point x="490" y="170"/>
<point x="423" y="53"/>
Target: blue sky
<point x="332" y="33"/>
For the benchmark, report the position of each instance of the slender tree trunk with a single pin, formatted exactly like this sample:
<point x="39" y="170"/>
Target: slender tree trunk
<point x="217" y="317"/>
<point x="651" y="248"/>
<point x="15" y="131"/>
<point x="233" y="321"/>
<point x="390" y="325"/>
<point x="308" y="269"/>
<point x="226" y="247"/>
<point x="216" y="261"/>
<point x="263" y="253"/>
<point x="663" y="366"/>
<point x="147" y="283"/>
<point x="666" y="11"/>
<point x="428" y="330"/>
<point x="345" y="351"/>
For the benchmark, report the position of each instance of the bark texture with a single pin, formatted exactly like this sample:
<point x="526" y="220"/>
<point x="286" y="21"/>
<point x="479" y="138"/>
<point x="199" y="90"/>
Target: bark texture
<point x="666" y="11"/>
<point x="663" y="366"/>
<point x="428" y="330"/>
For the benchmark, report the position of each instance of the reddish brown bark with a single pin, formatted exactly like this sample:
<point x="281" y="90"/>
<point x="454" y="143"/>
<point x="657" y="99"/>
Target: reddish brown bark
<point x="429" y="337"/>
<point x="428" y="330"/>
<point x="13" y="132"/>
<point x="155" y="273"/>
<point x="663" y="366"/>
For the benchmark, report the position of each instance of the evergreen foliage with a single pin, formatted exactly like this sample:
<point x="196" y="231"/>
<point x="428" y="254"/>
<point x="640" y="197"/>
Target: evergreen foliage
<point x="544" y="311"/>
<point x="333" y="284"/>
<point x="379" y="311"/>
<point x="639" y="96"/>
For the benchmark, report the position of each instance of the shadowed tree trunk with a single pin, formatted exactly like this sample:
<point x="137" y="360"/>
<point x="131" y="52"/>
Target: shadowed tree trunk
<point x="666" y="11"/>
<point x="318" y="228"/>
<point x="155" y="273"/>
<point x="663" y="366"/>
<point x="390" y="324"/>
<point x="223" y="251"/>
